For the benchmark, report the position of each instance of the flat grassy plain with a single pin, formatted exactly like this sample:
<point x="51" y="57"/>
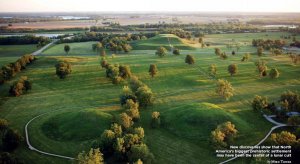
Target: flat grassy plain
<point x="82" y="105"/>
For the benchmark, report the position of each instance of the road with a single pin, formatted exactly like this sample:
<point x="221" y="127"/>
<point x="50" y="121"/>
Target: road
<point x="47" y="153"/>
<point x="45" y="47"/>
<point x="269" y="118"/>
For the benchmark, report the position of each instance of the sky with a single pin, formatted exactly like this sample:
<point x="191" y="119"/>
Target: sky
<point x="150" y="5"/>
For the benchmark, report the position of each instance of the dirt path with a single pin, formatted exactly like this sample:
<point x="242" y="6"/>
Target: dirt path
<point x="278" y="125"/>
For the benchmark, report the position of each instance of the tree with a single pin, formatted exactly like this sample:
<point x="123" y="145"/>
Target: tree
<point x="233" y="53"/>
<point x="11" y="140"/>
<point x="218" y="139"/>
<point x="7" y="158"/>
<point x="125" y="120"/>
<point x="155" y="121"/>
<point x="161" y="51"/>
<point x="106" y="141"/>
<point x="200" y="40"/>
<point x="224" y="89"/>
<point x="260" y="51"/>
<point x="232" y="69"/>
<point x="132" y="109"/>
<point x="223" y="134"/>
<point x="259" y="103"/>
<point x="176" y="51"/>
<point x="261" y="67"/>
<point x="103" y="52"/>
<point x="223" y="56"/>
<point x="274" y="73"/>
<point x="189" y="59"/>
<point x="153" y="70"/>
<point x="93" y="157"/>
<point x="140" y="152"/>
<point x="283" y="138"/>
<point x="246" y="57"/>
<point x="126" y="48"/>
<point x="63" y="69"/>
<point x="124" y="71"/>
<point x="293" y="100"/>
<point x="212" y="70"/>
<point x="218" y="51"/>
<point x="67" y="48"/>
<point x="294" y="120"/>
<point x="104" y="63"/>
<point x="144" y="96"/>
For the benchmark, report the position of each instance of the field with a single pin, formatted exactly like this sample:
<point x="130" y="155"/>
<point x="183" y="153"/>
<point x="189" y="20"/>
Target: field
<point x="82" y="105"/>
<point x="10" y="53"/>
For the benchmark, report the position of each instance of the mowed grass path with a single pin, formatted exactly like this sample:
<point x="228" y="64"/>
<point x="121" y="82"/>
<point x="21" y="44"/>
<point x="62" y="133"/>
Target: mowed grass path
<point x="185" y="97"/>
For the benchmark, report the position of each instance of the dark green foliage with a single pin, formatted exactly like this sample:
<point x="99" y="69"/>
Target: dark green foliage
<point x="274" y="73"/>
<point x="67" y="48"/>
<point x="232" y="69"/>
<point x="144" y="96"/>
<point x="189" y="59"/>
<point x="11" y="140"/>
<point x="124" y="71"/>
<point x="7" y="158"/>
<point x="27" y="39"/>
<point x="176" y="51"/>
<point x="140" y="152"/>
<point x="63" y="69"/>
<point x="268" y="44"/>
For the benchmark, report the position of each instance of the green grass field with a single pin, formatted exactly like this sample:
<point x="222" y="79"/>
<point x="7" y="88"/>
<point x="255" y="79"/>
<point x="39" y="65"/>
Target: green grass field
<point x="10" y="53"/>
<point x="82" y="105"/>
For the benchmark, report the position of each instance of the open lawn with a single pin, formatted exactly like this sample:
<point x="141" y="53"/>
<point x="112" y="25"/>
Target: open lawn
<point x="10" y="53"/>
<point x="83" y="105"/>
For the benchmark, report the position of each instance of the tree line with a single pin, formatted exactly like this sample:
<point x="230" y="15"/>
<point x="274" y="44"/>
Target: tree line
<point x="8" y="71"/>
<point x="27" y="39"/>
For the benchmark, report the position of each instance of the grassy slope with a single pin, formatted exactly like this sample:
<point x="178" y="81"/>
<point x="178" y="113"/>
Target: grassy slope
<point x="179" y="89"/>
<point x="161" y="40"/>
<point x="10" y="53"/>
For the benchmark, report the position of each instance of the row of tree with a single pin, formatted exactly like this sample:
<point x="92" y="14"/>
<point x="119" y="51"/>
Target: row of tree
<point x="289" y="101"/>
<point x="27" y="39"/>
<point x="10" y="70"/>
<point x="268" y="44"/>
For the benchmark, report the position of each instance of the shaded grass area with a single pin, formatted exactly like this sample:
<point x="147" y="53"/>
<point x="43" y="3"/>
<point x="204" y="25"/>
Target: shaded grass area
<point x="10" y="53"/>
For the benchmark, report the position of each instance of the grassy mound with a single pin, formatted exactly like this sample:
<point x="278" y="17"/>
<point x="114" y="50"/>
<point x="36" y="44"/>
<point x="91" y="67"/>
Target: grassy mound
<point x="161" y="40"/>
<point x="77" y="126"/>
<point x="196" y="121"/>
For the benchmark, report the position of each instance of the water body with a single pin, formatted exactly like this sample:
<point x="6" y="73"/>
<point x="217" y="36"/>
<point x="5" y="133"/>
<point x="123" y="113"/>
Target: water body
<point x="45" y="35"/>
<point x="72" y="17"/>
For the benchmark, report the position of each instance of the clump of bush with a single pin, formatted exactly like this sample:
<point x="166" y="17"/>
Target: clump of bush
<point x="223" y="135"/>
<point x="20" y="87"/>
<point x="63" y="69"/>
<point x="8" y="71"/>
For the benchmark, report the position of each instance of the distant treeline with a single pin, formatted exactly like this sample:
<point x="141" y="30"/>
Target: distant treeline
<point x="105" y="37"/>
<point x="5" y="29"/>
<point x="27" y="39"/>
<point x="268" y="44"/>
